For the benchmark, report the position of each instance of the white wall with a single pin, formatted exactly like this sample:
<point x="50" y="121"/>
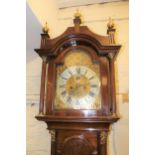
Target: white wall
<point x="94" y="16"/>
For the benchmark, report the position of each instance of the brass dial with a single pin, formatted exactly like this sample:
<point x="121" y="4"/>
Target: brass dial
<point x="78" y="87"/>
<point x="78" y="83"/>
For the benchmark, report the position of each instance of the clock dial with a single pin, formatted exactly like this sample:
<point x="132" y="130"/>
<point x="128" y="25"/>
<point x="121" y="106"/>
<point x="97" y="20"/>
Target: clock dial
<point x="78" y="87"/>
<point x="78" y="84"/>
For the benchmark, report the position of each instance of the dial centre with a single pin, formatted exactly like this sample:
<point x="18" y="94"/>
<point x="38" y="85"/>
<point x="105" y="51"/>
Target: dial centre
<point x="77" y="86"/>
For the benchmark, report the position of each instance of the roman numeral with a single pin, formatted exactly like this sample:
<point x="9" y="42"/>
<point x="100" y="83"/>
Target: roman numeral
<point x="64" y="78"/>
<point x="91" y="94"/>
<point x="69" y="99"/>
<point x="78" y="70"/>
<point x="94" y="86"/>
<point x="92" y="77"/>
<point x="85" y="72"/>
<point x="62" y="86"/>
<point x="70" y="72"/>
<point x="63" y="93"/>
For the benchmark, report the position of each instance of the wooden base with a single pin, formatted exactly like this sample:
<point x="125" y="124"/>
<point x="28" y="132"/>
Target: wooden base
<point x="80" y="136"/>
<point x="86" y="139"/>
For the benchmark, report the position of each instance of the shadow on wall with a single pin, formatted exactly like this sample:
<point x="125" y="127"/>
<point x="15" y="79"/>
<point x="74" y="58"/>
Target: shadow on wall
<point x="33" y="30"/>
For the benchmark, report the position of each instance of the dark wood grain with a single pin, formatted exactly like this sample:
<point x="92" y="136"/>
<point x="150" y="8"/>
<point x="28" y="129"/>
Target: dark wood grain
<point x="112" y="84"/>
<point x="42" y="90"/>
<point x="76" y="144"/>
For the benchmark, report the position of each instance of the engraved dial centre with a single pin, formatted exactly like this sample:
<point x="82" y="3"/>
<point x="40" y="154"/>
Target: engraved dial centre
<point x="78" y="86"/>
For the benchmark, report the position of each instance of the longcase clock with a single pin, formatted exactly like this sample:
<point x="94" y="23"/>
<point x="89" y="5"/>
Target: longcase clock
<point x="77" y="98"/>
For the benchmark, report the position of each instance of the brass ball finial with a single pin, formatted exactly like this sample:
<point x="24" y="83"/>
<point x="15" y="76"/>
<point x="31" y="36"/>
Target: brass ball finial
<point x="45" y="29"/>
<point x="110" y="24"/>
<point x="77" y="14"/>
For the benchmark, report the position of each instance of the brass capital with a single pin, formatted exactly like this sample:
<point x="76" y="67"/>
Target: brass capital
<point x="111" y="55"/>
<point x="103" y="137"/>
<point x="44" y="58"/>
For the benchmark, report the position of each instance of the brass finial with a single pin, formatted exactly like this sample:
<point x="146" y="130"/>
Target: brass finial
<point x="110" y="24"/>
<point x="45" y="29"/>
<point x="77" y="14"/>
<point x="77" y="20"/>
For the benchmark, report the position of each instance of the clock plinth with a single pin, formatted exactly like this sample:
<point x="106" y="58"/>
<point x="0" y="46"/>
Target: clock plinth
<point x="77" y="98"/>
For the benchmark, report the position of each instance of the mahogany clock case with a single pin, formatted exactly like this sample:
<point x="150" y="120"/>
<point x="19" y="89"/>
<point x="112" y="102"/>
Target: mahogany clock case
<point x="78" y="131"/>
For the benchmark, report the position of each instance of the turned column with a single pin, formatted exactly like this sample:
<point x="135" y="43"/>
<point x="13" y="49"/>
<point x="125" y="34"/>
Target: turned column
<point x="43" y="85"/>
<point x="112" y="83"/>
<point x="44" y="37"/>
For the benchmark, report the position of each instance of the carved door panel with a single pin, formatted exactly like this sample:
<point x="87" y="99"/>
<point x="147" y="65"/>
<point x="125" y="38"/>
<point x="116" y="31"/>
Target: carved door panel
<point x="76" y="143"/>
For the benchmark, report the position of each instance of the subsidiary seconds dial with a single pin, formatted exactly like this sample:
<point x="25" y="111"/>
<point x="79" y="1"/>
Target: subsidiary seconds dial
<point x="78" y="87"/>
